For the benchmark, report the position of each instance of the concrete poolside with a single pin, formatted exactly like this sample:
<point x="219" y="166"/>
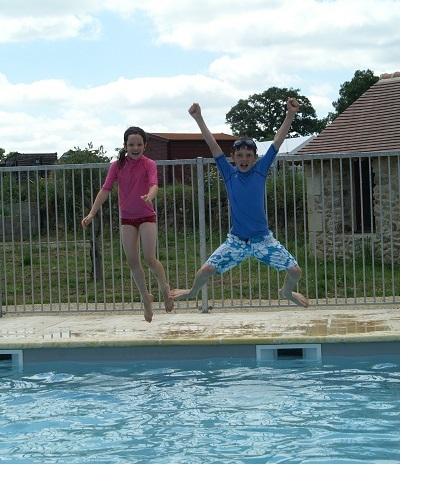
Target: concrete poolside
<point x="357" y="324"/>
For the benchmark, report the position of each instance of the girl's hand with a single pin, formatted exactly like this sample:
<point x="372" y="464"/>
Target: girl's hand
<point x="293" y="105"/>
<point x="87" y="220"/>
<point x="195" y="110"/>
<point x="148" y="199"/>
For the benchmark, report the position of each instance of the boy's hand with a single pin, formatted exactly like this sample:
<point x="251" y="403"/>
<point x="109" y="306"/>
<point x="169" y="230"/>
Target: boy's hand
<point x="195" y="110"/>
<point x="293" y="105"/>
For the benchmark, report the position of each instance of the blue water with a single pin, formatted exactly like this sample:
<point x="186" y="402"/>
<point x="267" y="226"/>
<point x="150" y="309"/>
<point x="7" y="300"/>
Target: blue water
<point x="202" y="412"/>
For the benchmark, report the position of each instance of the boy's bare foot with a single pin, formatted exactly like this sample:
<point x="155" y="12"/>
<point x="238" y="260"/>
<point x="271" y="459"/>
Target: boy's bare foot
<point x="295" y="297"/>
<point x="167" y="300"/>
<point x="148" y="311"/>
<point x="178" y="294"/>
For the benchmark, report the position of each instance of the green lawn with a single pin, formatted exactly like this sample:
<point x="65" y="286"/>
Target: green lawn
<point x="62" y="273"/>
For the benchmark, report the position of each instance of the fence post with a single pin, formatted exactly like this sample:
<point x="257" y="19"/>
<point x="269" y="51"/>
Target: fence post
<point x="1" y="291"/>
<point x="202" y="229"/>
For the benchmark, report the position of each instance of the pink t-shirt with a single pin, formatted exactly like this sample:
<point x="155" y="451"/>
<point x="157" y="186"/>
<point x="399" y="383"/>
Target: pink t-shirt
<point x="134" y="179"/>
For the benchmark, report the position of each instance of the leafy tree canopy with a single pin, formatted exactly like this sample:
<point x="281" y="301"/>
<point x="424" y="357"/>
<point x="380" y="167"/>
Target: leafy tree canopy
<point x="87" y="155"/>
<point x="261" y="115"/>
<point x="4" y="156"/>
<point x="349" y="92"/>
<point x="352" y="90"/>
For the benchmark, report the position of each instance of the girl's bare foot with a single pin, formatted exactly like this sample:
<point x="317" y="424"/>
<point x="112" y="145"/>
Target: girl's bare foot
<point x="148" y="311"/>
<point x="167" y="300"/>
<point x="295" y="297"/>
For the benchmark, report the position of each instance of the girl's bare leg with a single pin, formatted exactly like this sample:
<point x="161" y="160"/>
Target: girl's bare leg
<point x="132" y="251"/>
<point x="293" y="276"/>
<point x="148" y="232"/>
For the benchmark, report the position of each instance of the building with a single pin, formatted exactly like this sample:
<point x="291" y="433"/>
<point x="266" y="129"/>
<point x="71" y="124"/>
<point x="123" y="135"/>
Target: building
<point x="162" y="146"/>
<point x="352" y="175"/>
<point x="290" y="146"/>
<point x="32" y="159"/>
<point x="172" y="146"/>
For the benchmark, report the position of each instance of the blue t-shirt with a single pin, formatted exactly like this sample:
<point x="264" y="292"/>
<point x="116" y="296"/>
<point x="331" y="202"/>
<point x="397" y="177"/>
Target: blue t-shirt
<point x="246" y="193"/>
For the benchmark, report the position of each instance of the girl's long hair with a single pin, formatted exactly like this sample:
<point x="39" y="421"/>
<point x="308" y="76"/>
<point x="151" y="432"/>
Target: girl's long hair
<point x="128" y="132"/>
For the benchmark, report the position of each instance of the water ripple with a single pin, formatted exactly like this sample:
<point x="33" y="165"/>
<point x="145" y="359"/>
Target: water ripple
<point x="225" y="412"/>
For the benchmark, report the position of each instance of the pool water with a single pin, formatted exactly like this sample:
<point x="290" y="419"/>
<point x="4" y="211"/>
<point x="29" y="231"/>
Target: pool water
<point x="222" y="411"/>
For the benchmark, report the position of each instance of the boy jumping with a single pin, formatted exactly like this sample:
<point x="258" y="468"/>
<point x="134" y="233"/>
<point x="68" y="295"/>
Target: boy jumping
<point x="249" y="234"/>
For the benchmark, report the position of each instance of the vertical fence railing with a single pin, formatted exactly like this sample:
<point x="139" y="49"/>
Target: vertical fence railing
<point x="202" y="228"/>
<point x="338" y="215"/>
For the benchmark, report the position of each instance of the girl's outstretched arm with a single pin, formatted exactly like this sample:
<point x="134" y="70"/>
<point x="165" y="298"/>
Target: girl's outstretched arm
<point x="99" y="200"/>
<point x="195" y="112"/>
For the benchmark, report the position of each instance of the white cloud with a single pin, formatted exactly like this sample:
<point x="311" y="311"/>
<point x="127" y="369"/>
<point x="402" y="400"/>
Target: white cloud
<point x="21" y="29"/>
<point x="32" y="93"/>
<point x="258" y="44"/>
<point x="309" y="34"/>
<point x="75" y="116"/>
<point x="30" y="8"/>
<point x="214" y="26"/>
<point x="36" y="133"/>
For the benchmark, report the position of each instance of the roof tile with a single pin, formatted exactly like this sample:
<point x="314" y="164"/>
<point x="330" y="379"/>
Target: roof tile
<point x="371" y="123"/>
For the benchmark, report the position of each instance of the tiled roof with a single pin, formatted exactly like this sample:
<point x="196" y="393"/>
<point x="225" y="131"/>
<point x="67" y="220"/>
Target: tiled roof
<point x="371" y="123"/>
<point x="174" y="136"/>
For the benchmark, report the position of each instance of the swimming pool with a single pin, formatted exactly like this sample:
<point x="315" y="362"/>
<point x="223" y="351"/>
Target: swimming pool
<point x="213" y="411"/>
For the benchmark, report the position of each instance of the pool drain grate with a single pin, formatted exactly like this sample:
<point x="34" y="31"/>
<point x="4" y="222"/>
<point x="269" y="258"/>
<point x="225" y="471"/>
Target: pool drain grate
<point x="278" y="352"/>
<point x="11" y="358"/>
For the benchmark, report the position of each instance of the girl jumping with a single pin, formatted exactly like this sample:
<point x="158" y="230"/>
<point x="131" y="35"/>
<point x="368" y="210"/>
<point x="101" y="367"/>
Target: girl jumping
<point x="137" y="180"/>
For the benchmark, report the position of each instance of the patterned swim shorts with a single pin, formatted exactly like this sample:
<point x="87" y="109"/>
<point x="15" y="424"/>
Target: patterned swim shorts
<point x="266" y="249"/>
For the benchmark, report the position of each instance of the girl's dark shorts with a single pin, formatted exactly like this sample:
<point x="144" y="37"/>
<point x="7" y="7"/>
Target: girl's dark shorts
<point x="137" y="222"/>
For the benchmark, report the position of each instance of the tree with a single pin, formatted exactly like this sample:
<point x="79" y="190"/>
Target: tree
<point x="79" y="189"/>
<point x="261" y="115"/>
<point x="4" y="157"/>
<point x="351" y="91"/>
<point x="11" y="184"/>
<point x="87" y="155"/>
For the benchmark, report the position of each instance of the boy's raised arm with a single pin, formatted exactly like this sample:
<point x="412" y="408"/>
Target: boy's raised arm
<point x="195" y="112"/>
<point x="292" y="108"/>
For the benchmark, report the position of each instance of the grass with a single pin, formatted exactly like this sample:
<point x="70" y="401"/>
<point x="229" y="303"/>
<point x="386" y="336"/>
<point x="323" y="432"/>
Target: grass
<point x="62" y="273"/>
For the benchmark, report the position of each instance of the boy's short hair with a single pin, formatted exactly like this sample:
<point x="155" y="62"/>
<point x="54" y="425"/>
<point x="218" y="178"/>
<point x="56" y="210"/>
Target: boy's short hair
<point x="246" y="142"/>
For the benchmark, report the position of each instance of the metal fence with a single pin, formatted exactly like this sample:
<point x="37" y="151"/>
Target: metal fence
<point x="338" y="215"/>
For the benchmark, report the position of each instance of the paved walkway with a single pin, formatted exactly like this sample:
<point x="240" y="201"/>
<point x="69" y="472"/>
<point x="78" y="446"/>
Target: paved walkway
<point x="289" y="325"/>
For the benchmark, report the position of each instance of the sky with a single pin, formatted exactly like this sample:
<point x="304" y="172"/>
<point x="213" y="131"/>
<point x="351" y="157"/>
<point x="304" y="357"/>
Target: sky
<point x="81" y="71"/>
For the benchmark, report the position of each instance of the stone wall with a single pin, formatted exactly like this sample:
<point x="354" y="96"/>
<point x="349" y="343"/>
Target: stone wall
<point x="387" y="208"/>
<point x="332" y="208"/>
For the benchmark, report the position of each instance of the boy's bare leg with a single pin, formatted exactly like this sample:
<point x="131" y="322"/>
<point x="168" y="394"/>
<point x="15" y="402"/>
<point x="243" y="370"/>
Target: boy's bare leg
<point x="131" y="247"/>
<point x="201" y="278"/>
<point x="293" y="276"/>
<point x="148" y="239"/>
